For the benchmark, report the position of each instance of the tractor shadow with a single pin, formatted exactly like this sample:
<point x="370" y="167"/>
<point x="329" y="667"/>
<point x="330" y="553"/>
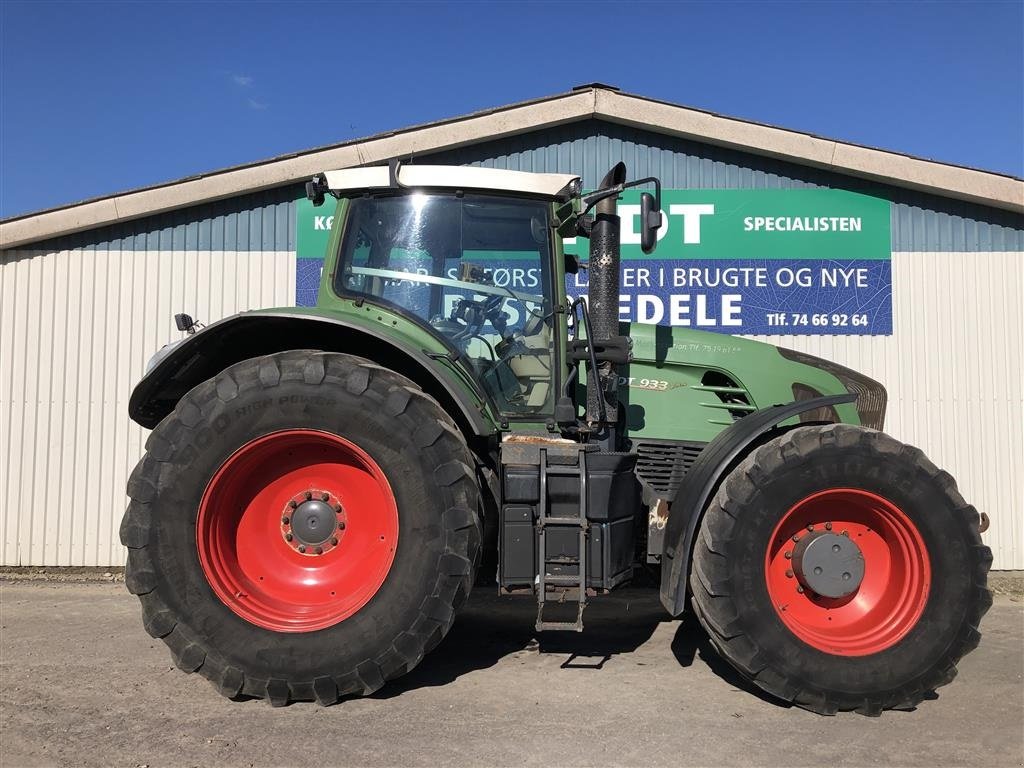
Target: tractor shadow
<point x="691" y="642"/>
<point x="490" y="628"/>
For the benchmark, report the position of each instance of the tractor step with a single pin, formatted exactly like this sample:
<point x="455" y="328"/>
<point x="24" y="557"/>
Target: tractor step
<point x="562" y="626"/>
<point x="562" y="580"/>
<point x="559" y="521"/>
<point x="566" y="525"/>
<point x="543" y="524"/>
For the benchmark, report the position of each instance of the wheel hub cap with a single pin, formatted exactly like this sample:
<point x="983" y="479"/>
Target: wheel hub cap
<point x="313" y="522"/>
<point x="829" y="565"/>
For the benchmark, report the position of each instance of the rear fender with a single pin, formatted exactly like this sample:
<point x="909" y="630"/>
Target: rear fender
<point x="701" y="481"/>
<point x="241" y="337"/>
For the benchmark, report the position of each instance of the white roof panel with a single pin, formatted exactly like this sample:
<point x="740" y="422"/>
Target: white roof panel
<point x="450" y="177"/>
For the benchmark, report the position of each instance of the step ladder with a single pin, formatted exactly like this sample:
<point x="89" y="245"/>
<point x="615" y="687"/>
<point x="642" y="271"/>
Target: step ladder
<point x="566" y="586"/>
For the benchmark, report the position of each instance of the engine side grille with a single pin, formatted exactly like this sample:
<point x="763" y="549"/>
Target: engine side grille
<point x="663" y="463"/>
<point x="732" y="398"/>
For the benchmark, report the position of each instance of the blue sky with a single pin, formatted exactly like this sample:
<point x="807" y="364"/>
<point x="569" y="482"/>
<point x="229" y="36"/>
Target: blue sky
<point x="97" y="98"/>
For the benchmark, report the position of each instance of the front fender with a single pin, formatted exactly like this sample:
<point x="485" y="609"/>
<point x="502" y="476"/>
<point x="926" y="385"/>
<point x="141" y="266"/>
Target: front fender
<point x="700" y="482"/>
<point x="241" y="337"/>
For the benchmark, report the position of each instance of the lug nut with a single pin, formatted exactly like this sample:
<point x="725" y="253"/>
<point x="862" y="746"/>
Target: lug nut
<point x="302" y="548"/>
<point x="337" y="509"/>
<point x="846" y="534"/>
<point x="325" y="496"/>
<point x="800" y="590"/>
<point x="288" y="537"/>
<point x="334" y="542"/>
<point x="341" y="525"/>
<point x="319" y="550"/>
<point x="789" y="574"/>
<point x="796" y="537"/>
<point x="828" y="526"/>
<point x="810" y="527"/>
<point x="286" y="519"/>
<point x="292" y="504"/>
<point x="789" y="555"/>
<point x="308" y="495"/>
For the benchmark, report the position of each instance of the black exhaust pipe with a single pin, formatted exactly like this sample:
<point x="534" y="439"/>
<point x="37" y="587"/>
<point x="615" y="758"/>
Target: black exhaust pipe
<point x="603" y="302"/>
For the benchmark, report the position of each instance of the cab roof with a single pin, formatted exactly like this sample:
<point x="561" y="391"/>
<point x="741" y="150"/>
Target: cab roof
<point x="555" y="185"/>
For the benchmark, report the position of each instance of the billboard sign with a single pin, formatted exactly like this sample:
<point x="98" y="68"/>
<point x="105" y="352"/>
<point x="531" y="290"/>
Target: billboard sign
<point x="765" y="261"/>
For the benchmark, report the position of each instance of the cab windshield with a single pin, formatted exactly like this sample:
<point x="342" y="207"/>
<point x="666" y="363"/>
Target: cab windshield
<point x="476" y="269"/>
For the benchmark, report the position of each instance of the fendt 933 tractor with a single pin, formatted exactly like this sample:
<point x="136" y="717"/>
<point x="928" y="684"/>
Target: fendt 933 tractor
<point x="321" y="484"/>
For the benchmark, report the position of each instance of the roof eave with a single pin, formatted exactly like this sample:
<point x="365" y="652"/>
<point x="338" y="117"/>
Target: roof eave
<point x="429" y="138"/>
<point x="892" y="168"/>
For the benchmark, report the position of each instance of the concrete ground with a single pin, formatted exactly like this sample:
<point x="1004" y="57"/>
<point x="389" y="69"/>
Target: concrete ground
<point x="82" y="684"/>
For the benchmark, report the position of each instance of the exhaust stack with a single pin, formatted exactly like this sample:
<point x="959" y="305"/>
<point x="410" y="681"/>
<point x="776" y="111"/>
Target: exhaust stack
<point x="603" y="301"/>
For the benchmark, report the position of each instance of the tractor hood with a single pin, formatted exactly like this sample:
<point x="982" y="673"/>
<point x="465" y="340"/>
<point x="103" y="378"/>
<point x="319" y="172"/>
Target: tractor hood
<point x="769" y="375"/>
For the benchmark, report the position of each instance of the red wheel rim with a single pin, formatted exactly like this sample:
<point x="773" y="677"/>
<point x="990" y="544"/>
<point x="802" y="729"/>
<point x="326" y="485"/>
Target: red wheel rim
<point x="892" y="594"/>
<point x="249" y="533"/>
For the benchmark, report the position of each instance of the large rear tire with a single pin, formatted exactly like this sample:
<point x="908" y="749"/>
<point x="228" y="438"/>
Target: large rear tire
<point x="839" y="569"/>
<point x="303" y="526"/>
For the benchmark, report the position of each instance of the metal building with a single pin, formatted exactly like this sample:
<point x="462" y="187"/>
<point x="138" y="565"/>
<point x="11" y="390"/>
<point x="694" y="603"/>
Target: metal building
<point x="87" y="293"/>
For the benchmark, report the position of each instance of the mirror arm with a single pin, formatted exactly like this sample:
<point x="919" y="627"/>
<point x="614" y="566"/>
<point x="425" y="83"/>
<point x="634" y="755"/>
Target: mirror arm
<point x="589" y="201"/>
<point x="649" y="180"/>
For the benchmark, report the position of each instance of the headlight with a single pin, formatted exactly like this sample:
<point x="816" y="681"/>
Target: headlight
<point x="826" y="413"/>
<point x="165" y="350"/>
<point x="871" y="396"/>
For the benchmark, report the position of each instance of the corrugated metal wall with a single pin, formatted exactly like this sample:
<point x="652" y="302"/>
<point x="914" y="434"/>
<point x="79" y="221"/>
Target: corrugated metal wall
<point x="266" y="220"/>
<point x="919" y="222"/>
<point x="80" y="316"/>
<point x="263" y="221"/>
<point x="76" y="330"/>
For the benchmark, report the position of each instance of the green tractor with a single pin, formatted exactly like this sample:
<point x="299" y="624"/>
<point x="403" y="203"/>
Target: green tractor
<point x="323" y="486"/>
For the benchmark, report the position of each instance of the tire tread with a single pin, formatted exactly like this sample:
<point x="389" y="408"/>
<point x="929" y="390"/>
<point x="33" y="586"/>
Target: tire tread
<point x="456" y="566"/>
<point x="709" y="577"/>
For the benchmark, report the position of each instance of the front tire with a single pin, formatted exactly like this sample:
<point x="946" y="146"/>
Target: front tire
<point x="303" y="526"/>
<point x="839" y="569"/>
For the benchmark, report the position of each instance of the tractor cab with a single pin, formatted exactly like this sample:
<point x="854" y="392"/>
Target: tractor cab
<point x="475" y="254"/>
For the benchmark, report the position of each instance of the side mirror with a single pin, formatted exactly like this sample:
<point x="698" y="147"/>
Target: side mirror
<point x="572" y="264"/>
<point x="316" y="189"/>
<point x="650" y="222"/>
